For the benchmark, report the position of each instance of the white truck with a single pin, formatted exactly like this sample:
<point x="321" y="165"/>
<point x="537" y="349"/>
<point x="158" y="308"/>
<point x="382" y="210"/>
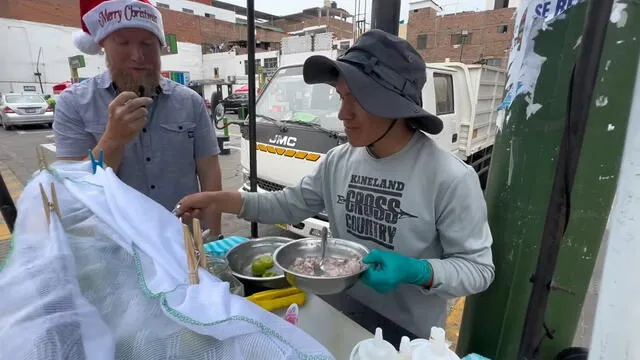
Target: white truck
<point x="297" y="123"/>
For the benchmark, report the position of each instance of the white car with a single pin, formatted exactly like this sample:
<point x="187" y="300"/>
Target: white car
<point x="24" y="109"/>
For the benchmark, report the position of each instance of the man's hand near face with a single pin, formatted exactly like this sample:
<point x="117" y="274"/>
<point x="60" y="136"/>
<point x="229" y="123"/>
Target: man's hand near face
<point x="127" y="117"/>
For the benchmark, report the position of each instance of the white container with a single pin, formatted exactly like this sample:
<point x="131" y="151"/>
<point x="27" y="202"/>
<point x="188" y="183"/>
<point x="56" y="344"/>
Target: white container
<point x="436" y="348"/>
<point x="374" y="349"/>
<point x="406" y="349"/>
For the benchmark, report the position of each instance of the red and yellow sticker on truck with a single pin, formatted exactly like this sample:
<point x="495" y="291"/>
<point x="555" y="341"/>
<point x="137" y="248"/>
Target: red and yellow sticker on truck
<point x="298" y="154"/>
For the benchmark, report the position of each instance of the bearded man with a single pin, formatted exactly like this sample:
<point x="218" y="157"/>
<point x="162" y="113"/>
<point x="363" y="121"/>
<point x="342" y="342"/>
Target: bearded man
<point x="155" y="133"/>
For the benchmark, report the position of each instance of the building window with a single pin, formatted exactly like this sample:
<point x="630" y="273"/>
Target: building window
<point x="443" y="84"/>
<point x="460" y="39"/>
<point x="162" y="5"/>
<point x="422" y="41"/>
<point x="246" y="65"/>
<point x="494" y="62"/>
<point x="209" y="15"/>
<point x="502" y="29"/>
<point x="270" y="63"/>
<point x="270" y="66"/>
<point x="187" y="11"/>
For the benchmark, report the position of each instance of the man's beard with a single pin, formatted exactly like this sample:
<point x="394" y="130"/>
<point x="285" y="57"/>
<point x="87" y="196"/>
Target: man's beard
<point x="125" y="81"/>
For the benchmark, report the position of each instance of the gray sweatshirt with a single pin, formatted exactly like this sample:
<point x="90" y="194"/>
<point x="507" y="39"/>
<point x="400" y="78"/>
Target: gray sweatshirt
<point x="421" y="202"/>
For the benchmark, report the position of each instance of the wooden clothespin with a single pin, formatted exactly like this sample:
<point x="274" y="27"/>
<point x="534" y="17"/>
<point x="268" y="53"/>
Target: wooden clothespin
<point x="192" y="262"/>
<point x="197" y="237"/>
<point x="42" y="160"/>
<point x="52" y="205"/>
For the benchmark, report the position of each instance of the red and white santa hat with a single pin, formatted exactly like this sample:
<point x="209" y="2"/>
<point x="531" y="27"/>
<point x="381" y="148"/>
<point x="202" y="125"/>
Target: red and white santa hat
<point x="102" y="17"/>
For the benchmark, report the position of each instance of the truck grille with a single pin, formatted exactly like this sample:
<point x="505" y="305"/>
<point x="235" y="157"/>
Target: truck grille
<point x="268" y="185"/>
<point x="264" y="185"/>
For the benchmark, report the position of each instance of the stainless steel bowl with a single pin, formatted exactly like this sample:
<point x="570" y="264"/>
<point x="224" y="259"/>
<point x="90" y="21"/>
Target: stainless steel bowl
<point x="285" y="256"/>
<point x="242" y="255"/>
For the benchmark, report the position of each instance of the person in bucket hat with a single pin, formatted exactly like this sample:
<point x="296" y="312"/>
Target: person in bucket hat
<point x="418" y="208"/>
<point x="155" y="134"/>
<point x="385" y="74"/>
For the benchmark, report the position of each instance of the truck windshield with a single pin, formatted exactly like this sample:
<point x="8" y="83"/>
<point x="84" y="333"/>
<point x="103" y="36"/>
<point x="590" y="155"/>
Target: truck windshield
<point x="288" y="98"/>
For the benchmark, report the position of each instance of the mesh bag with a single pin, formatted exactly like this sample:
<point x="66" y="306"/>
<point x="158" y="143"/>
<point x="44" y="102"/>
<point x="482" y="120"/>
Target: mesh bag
<point x="107" y="279"/>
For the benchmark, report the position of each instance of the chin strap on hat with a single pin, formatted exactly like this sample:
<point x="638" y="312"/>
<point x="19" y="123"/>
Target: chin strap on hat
<point x="370" y="146"/>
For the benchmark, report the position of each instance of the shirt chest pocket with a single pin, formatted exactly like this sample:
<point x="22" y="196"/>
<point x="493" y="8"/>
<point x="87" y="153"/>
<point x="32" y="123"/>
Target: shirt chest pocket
<point x="177" y="138"/>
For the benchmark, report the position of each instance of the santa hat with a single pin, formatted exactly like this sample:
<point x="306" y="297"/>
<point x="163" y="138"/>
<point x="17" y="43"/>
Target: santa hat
<point x="100" y="18"/>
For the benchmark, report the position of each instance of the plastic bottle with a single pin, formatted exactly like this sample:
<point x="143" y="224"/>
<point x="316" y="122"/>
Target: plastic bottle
<point x="436" y="348"/>
<point x="374" y="349"/>
<point x="415" y="343"/>
<point x="405" y="349"/>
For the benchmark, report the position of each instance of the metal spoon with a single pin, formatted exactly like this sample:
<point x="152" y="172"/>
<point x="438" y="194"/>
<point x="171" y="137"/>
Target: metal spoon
<point x="319" y="269"/>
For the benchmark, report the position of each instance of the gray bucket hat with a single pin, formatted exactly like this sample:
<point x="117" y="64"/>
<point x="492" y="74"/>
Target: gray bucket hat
<point x="385" y="73"/>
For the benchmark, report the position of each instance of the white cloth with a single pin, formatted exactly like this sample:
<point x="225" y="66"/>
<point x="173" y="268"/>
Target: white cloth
<point x="104" y="274"/>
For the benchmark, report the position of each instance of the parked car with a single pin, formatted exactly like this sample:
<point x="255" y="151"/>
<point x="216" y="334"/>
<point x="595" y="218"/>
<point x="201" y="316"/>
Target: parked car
<point x="235" y="101"/>
<point x="24" y="109"/>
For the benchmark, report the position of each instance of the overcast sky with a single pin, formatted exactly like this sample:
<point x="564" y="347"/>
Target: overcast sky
<point x="286" y="7"/>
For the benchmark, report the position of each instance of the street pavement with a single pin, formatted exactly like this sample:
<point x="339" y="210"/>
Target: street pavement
<point x="18" y="161"/>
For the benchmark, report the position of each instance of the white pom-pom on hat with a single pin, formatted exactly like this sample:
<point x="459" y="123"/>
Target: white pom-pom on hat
<point x="85" y="43"/>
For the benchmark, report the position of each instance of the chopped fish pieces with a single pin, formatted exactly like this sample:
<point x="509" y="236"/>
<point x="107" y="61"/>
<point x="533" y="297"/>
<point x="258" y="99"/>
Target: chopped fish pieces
<point x="333" y="266"/>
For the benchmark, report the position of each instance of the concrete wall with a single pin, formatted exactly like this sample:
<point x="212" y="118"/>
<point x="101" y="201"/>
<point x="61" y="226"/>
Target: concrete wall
<point x="342" y="29"/>
<point x="199" y="8"/>
<point x="24" y="40"/>
<point x="298" y="59"/>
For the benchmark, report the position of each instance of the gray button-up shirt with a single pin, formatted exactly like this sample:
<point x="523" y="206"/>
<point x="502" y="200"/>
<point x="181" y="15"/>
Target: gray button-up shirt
<point x="161" y="161"/>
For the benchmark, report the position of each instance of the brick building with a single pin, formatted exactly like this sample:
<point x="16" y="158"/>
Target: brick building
<point x="470" y="37"/>
<point x="187" y="27"/>
<point x="335" y="20"/>
<point x="334" y="17"/>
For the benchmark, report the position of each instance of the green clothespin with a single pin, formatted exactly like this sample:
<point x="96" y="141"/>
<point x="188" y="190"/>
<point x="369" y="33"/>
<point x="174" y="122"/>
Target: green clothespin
<point x="94" y="163"/>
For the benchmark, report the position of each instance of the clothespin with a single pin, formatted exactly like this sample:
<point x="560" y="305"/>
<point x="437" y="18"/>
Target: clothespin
<point x="199" y="245"/>
<point x="192" y="262"/>
<point x="194" y="248"/>
<point x="52" y="205"/>
<point x="42" y="160"/>
<point x="94" y="163"/>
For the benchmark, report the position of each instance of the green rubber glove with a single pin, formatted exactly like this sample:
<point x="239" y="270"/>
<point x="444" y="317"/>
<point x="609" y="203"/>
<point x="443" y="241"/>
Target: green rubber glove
<point x="388" y="269"/>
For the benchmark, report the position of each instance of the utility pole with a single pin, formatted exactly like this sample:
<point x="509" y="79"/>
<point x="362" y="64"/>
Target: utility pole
<point x="251" y="56"/>
<point x="553" y="178"/>
<point x="385" y="15"/>
<point x="617" y="315"/>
